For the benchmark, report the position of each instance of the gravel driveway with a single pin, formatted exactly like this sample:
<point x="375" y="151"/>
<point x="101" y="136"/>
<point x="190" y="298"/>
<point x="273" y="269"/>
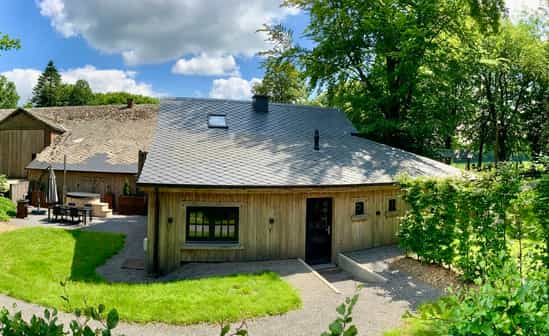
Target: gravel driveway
<point x="379" y="308"/>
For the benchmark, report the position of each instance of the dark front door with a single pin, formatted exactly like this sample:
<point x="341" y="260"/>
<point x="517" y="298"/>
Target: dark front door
<point x="318" y="247"/>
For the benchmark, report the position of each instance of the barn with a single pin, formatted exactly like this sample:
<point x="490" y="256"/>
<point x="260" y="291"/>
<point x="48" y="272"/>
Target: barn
<point x="237" y="180"/>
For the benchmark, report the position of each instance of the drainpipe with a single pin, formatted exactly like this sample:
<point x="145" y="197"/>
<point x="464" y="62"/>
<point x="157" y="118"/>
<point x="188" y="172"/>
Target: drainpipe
<point x="156" y="232"/>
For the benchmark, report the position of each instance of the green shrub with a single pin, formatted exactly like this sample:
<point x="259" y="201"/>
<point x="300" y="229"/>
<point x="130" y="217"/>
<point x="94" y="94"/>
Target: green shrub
<point x="4" y="187"/>
<point x="505" y="305"/>
<point x="457" y="222"/>
<point x="7" y="209"/>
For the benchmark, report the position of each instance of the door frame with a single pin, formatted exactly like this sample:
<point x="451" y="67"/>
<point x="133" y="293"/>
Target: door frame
<point x="329" y="254"/>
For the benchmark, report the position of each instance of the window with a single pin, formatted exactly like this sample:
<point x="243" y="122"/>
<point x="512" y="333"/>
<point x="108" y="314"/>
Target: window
<point x="212" y="224"/>
<point x="392" y="205"/>
<point x="217" y="121"/>
<point x="359" y="208"/>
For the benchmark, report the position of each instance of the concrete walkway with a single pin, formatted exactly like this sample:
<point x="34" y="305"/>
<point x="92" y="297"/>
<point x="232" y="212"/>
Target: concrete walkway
<point x="379" y="308"/>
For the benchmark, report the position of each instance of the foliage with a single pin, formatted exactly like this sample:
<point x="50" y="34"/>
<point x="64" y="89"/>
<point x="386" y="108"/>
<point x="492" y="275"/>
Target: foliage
<point x="76" y="94"/>
<point x="51" y="91"/>
<point x="342" y="325"/>
<point x="48" y="325"/>
<point x="56" y="255"/>
<point x="4" y="187"/>
<point x="118" y="98"/>
<point x="7" y="43"/>
<point x="540" y="208"/>
<point x="505" y="304"/>
<point x="282" y="81"/>
<point x="465" y="223"/>
<point x="8" y="93"/>
<point x="47" y="89"/>
<point x="7" y="209"/>
<point x="126" y="191"/>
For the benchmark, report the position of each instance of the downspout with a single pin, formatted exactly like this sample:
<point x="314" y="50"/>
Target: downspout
<point x="156" y="249"/>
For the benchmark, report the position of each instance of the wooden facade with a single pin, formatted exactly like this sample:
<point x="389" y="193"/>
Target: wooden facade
<point x="101" y="183"/>
<point x="21" y="138"/>
<point x="271" y="222"/>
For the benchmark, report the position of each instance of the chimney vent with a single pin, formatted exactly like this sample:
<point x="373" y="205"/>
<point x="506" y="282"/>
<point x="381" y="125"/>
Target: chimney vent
<point x="260" y="103"/>
<point x="130" y="102"/>
<point x="317" y="140"/>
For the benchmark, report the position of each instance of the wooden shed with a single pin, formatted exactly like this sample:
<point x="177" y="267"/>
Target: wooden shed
<point x="23" y="136"/>
<point x="237" y="181"/>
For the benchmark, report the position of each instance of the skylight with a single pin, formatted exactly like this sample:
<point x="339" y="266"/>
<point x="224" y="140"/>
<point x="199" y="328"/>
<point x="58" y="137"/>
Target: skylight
<point x="217" y="121"/>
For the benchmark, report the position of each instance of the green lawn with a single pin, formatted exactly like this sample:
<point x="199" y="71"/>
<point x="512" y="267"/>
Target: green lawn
<point x="33" y="262"/>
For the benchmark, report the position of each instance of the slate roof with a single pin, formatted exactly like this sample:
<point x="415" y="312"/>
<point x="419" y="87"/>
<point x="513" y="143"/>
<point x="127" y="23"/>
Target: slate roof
<point x="95" y="138"/>
<point x="270" y="149"/>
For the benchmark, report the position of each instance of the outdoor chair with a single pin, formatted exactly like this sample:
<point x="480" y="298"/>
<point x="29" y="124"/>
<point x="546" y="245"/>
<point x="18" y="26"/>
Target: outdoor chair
<point x="74" y="213"/>
<point x="72" y="204"/>
<point x="58" y="212"/>
<point x="88" y="211"/>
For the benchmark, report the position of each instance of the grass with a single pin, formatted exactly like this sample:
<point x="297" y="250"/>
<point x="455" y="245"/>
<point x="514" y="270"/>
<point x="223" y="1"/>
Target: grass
<point x="33" y="262"/>
<point x="7" y="209"/>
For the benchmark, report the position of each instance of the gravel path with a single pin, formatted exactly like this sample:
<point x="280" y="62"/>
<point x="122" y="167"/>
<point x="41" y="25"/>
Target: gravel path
<point x="379" y="308"/>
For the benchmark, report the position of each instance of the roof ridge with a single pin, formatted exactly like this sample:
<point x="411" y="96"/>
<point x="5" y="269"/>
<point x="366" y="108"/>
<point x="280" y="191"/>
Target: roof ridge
<point x="241" y="101"/>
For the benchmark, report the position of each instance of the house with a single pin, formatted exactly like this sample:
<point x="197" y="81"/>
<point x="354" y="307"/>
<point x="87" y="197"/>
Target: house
<point x="101" y="145"/>
<point x="237" y="180"/>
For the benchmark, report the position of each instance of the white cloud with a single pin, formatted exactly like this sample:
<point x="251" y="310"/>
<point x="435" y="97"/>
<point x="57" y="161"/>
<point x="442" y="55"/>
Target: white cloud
<point x="25" y="80"/>
<point x="150" y="31"/>
<point x="108" y="80"/>
<point x="100" y="80"/>
<point x="233" y="88"/>
<point x="207" y="65"/>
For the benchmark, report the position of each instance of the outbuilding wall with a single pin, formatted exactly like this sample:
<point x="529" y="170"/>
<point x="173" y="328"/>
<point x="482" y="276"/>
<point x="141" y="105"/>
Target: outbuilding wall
<point x="272" y="222"/>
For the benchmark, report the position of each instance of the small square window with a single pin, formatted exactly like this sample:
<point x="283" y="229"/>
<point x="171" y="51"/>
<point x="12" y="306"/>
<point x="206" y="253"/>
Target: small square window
<point x="359" y="208"/>
<point x="217" y="121"/>
<point x="392" y="205"/>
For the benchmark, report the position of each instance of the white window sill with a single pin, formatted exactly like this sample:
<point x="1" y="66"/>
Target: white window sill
<point x="356" y="218"/>
<point x="209" y="246"/>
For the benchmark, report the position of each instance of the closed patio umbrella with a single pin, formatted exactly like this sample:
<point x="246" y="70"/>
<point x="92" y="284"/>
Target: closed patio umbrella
<point x="51" y="197"/>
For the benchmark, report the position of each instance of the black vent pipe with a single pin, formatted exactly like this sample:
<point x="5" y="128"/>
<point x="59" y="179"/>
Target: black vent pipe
<point x="317" y="140"/>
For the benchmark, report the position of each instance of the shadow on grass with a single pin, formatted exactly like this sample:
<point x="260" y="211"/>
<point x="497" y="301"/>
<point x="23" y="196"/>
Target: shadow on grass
<point x="91" y="250"/>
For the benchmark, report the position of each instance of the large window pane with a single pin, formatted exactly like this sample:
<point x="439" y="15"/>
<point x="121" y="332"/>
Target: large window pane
<point x="212" y="224"/>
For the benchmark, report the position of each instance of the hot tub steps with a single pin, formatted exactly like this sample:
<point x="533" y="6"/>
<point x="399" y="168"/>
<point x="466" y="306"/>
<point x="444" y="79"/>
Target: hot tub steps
<point x="101" y="209"/>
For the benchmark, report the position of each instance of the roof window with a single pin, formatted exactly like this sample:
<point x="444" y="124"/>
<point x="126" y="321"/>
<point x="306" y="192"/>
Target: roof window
<point x="217" y="121"/>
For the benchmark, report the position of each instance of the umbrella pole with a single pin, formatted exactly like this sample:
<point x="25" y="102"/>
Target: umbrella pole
<point x="64" y="178"/>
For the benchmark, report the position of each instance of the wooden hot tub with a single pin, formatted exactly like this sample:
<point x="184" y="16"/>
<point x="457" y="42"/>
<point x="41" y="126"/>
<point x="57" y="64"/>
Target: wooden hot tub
<point x="82" y="198"/>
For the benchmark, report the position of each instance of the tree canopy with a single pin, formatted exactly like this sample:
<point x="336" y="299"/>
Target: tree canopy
<point x="51" y="91"/>
<point x="428" y="75"/>
<point x="8" y="93"/>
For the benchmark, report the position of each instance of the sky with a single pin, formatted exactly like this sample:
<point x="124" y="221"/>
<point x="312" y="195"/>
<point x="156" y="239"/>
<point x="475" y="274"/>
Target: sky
<point x="191" y="48"/>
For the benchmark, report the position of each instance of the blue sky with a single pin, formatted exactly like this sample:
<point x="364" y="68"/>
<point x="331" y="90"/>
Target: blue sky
<point x="171" y="47"/>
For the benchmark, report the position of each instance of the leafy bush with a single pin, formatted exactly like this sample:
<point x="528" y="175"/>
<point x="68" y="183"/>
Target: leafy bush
<point x="7" y="209"/>
<point x="505" y="305"/>
<point x="4" y="187"/>
<point x="462" y="223"/>
<point x="48" y="325"/>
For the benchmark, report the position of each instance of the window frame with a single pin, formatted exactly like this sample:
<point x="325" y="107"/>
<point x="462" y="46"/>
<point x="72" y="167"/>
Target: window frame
<point x="211" y="125"/>
<point x="357" y="202"/>
<point x="392" y="201"/>
<point x="215" y="213"/>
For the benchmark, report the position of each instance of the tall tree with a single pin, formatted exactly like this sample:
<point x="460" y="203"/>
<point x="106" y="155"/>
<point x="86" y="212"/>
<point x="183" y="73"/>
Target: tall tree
<point x="282" y="81"/>
<point x="369" y="55"/>
<point x="8" y="93"/>
<point x="47" y="90"/>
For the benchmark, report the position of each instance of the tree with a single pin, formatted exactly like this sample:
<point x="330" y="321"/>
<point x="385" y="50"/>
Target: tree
<point x="117" y="98"/>
<point x="370" y="56"/>
<point x="8" y="93"/>
<point x="7" y="43"/>
<point x="47" y="90"/>
<point x="77" y="94"/>
<point x="282" y="81"/>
